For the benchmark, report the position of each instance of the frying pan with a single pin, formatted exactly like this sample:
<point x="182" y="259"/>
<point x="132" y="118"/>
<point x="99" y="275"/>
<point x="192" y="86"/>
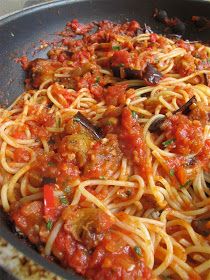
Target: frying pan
<point x="20" y="34"/>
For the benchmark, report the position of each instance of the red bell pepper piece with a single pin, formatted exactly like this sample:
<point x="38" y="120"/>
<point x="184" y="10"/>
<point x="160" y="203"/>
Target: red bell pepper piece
<point x="49" y="202"/>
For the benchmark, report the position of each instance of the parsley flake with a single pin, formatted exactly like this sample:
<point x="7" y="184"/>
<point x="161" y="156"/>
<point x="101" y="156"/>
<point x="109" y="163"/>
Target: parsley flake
<point x="186" y="184"/>
<point x="51" y="163"/>
<point x="102" y="178"/>
<point x="134" y="115"/>
<point x="67" y="189"/>
<point x="166" y="277"/>
<point x="171" y="172"/>
<point x="116" y="48"/>
<point x="58" y="123"/>
<point x="168" y="142"/>
<point x="49" y="224"/>
<point x="97" y="80"/>
<point x="64" y="200"/>
<point x="138" y="250"/>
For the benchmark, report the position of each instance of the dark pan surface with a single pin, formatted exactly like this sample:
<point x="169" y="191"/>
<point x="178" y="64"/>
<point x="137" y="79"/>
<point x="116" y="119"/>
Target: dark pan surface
<point x="19" y="33"/>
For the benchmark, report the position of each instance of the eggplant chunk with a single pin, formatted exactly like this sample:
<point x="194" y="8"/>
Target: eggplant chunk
<point x="151" y="75"/>
<point x="184" y="109"/>
<point x="201" y="226"/>
<point x="94" y="130"/>
<point x="41" y="70"/>
<point x="126" y="73"/>
<point x="79" y="145"/>
<point x="156" y="125"/>
<point x="87" y="225"/>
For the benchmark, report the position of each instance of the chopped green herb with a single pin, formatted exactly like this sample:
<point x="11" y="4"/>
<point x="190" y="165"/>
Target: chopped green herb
<point x="58" y="122"/>
<point x="206" y="60"/>
<point x="134" y="115"/>
<point x="49" y="225"/>
<point x="67" y="189"/>
<point x="97" y="80"/>
<point x="197" y="56"/>
<point x="102" y="178"/>
<point x="76" y="119"/>
<point x="64" y="200"/>
<point x="116" y="48"/>
<point x="51" y="163"/>
<point x="128" y="193"/>
<point x="121" y="65"/>
<point x="171" y="172"/>
<point x="109" y="122"/>
<point x="138" y="250"/>
<point x="186" y="184"/>
<point x="166" y="277"/>
<point x="64" y="184"/>
<point x="168" y="142"/>
<point x="51" y="141"/>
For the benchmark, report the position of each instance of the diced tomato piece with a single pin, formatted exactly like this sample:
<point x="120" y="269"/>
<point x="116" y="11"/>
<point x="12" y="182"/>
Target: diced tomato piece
<point x="49" y="202"/>
<point x="133" y="26"/>
<point x="97" y="91"/>
<point x="204" y="155"/>
<point x="115" y="95"/>
<point x="21" y="155"/>
<point x="132" y="142"/>
<point x="80" y="28"/>
<point x="38" y="131"/>
<point x="45" y="119"/>
<point x="27" y="216"/>
<point x="114" y="260"/>
<point x="19" y="132"/>
<point x="121" y="58"/>
<point x="153" y="37"/>
<point x="181" y="174"/>
<point x="187" y="135"/>
<point x="185" y="65"/>
<point x="71" y="252"/>
<point x="79" y="260"/>
<point x="69" y="96"/>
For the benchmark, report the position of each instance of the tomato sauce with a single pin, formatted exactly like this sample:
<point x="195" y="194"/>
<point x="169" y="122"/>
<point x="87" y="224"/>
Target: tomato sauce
<point x="111" y="259"/>
<point x="68" y="151"/>
<point x="21" y="155"/>
<point x="132" y="142"/>
<point x="29" y="218"/>
<point x="187" y="135"/>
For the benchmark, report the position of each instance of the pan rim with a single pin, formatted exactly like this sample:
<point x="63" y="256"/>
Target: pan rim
<point x="6" y="234"/>
<point x="54" y="3"/>
<point x="49" y="4"/>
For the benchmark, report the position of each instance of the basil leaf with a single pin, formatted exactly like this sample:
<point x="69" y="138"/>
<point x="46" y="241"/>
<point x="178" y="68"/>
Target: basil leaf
<point x="64" y="200"/>
<point x="49" y="224"/>
<point x="138" y="250"/>
<point x="116" y="48"/>
<point x="168" y="142"/>
<point x="171" y="172"/>
<point x="186" y="184"/>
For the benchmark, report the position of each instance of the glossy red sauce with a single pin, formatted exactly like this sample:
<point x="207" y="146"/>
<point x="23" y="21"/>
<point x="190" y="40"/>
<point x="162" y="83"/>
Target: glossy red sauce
<point x="187" y="135"/>
<point x="90" y="246"/>
<point x="132" y="142"/>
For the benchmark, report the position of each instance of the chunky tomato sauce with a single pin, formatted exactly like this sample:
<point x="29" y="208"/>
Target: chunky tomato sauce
<point x="105" y="143"/>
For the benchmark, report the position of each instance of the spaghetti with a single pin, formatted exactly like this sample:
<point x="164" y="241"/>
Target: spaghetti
<point x="105" y="157"/>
